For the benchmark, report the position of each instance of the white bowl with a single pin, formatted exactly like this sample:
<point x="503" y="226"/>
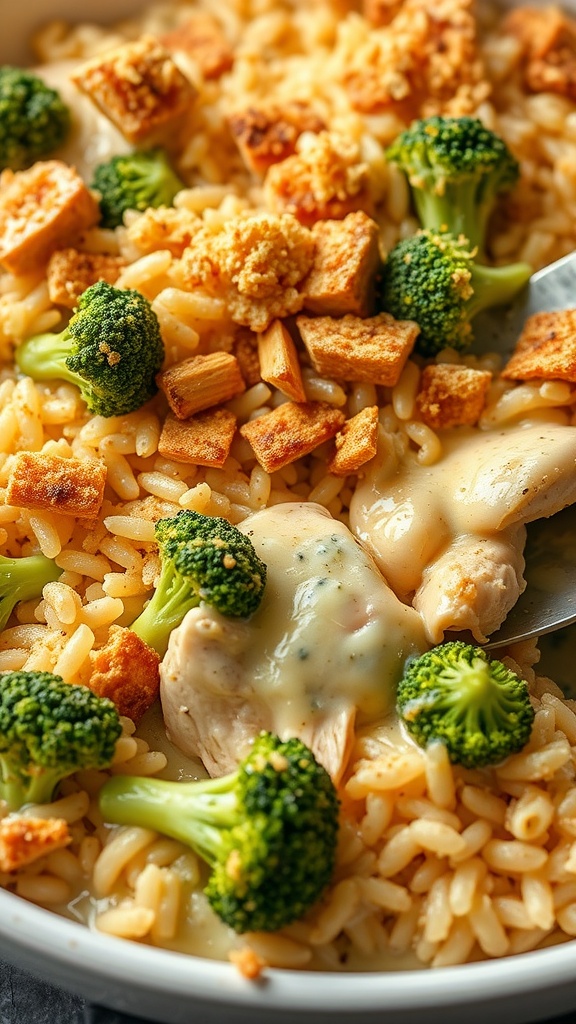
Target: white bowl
<point x="175" y="988"/>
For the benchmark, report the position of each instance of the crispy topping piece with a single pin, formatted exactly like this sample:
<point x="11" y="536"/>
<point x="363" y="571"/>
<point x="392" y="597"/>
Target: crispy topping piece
<point x="202" y="39"/>
<point x="356" y="443"/>
<point x="126" y="670"/>
<point x="373" y="349"/>
<point x="267" y="134"/>
<point x="546" y="349"/>
<point x="23" y="840"/>
<point x="245" y="349"/>
<point x="139" y="88"/>
<point x="71" y="272"/>
<point x="452" y="396"/>
<point x="548" y="38"/>
<point x="164" y="228"/>
<point x="204" y="440"/>
<point x="279" y="364"/>
<point x="41" y="209"/>
<point x="342" y="279"/>
<point x="72" y="487"/>
<point x="290" y="432"/>
<point x="201" y="382"/>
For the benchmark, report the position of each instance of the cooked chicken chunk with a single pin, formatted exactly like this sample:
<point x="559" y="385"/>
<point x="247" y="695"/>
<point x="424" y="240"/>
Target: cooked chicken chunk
<point x="450" y="536"/>
<point x="324" y="650"/>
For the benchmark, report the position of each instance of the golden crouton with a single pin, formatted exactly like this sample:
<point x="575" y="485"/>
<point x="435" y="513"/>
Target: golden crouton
<point x="163" y="228"/>
<point x="139" y="88"/>
<point x="245" y="348"/>
<point x="356" y="443"/>
<point x="268" y="133"/>
<point x="279" y="364"/>
<point x="324" y="180"/>
<point x="71" y="272"/>
<point x="548" y="39"/>
<point x="202" y="39"/>
<point x="126" y="670"/>
<point x="41" y="209"/>
<point x="72" y="487"/>
<point x="451" y="396"/>
<point x="200" y="382"/>
<point x="381" y="12"/>
<point x="25" y="839"/>
<point x="546" y="349"/>
<point x="291" y="431"/>
<point x="374" y="349"/>
<point x="255" y="263"/>
<point x="342" y="279"/>
<point x="203" y="440"/>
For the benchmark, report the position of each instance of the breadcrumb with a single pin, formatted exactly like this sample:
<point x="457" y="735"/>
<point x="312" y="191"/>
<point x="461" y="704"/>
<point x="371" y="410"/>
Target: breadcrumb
<point x="548" y="39"/>
<point x="250" y="965"/>
<point x="126" y="670"/>
<point x="202" y="38"/>
<point x="71" y="272"/>
<point x="163" y="228"/>
<point x="25" y="839"/>
<point x="268" y="133"/>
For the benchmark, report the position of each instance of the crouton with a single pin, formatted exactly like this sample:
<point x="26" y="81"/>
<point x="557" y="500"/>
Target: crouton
<point x="200" y="382"/>
<point x="245" y="348"/>
<point x="374" y="349"/>
<point x="268" y="133"/>
<point x="279" y="364"/>
<point x="381" y="12"/>
<point x="126" y="670"/>
<point x="41" y="209"/>
<point x="343" y="275"/>
<point x="203" y="440"/>
<point x="546" y="349"/>
<point x="202" y="38"/>
<point x="71" y="272"/>
<point x="140" y="89"/>
<point x="451" y="395"/>
<point x="25" y="839"/>
<point x="163" y="228"/>
<point x="71" y="487"/>
<point x="356" y="443"/>
<point x="548" y="40"/>
<point x="324" y="180"/>
<point x="255" y="263"/>
<point x="291" y="431"/>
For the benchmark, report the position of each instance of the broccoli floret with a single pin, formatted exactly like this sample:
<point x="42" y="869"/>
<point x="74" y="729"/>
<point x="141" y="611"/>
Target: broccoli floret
<point x="134" y="182"/>
<point x="203" y="558"/>
<point x="268" y="830"/>
<point x="34" y="120"/>
<point x="457" y="168"/>
<point x="434" y="279"/>
<point x="111" y="349"/>
<point x="479" y="708"/>
<point x="48" y="730"/>
<point x="22" y="579"/>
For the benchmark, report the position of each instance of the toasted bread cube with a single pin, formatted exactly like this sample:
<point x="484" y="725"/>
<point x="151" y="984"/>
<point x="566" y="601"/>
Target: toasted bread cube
<point x="41" y="209"/>
<point x="356" y="443"/>
<point x="202" y="39"/>
<point x="139" y="88"/>
<point x="245" y="349"/>
<point x="72" y="487"/>
<point x="203" y="440"/>
<point x="25" y="839"/>
<point x="268" y="133"/>
<point x="291" y="431"/>
<point x="343" y="275"/>
<point x="127" y="671"/>
<point x="201" y="382"/>
<point x="546" y="349"/>
<point x="279" y="364"/>
<point x="71" y="272"/>
<point x="355" y="349"/>
<point x="451" y="395"/>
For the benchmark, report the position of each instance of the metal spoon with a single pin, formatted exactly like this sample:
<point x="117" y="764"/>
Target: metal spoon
<point x="549" y="601"/>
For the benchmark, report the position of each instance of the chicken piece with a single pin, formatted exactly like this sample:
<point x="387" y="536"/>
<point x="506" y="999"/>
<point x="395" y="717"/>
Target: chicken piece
<point x="343" y="275"/>
<point x="25" y="839"/>
<point x="125" y="669"/>
<point x="71" y="487"/>
<point x="71" y="272"/>
<point x="324" y="650"/>
<point x="41" y="209"/>
<point x="201" y="37"/>
<point x="425" y="525"/>
<point x="267" y="134"/>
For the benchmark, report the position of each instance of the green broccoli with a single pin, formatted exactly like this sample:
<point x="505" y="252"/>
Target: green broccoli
<point x="48" y="730"/>
<point x="111" y="349"/>
<point x="268" y="830"/>
<point x="22" y="579"/>
<point x="479" y="708"/>
<point x="134" y="182"/>
<point x="34" y="120"/>
<point x="457" y="168"/>
<point x="203" y="558"/>
<point x="433" y="279"/>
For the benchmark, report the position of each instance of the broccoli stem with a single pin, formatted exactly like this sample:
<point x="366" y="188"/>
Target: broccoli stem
<point x="167" y="607"/>
<point x="496" y="286"/>
<point x="43" y="357"/>
<point x="21" y="579"/>
<point x="457" y="211"/>
<point x="33" y="789"/>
